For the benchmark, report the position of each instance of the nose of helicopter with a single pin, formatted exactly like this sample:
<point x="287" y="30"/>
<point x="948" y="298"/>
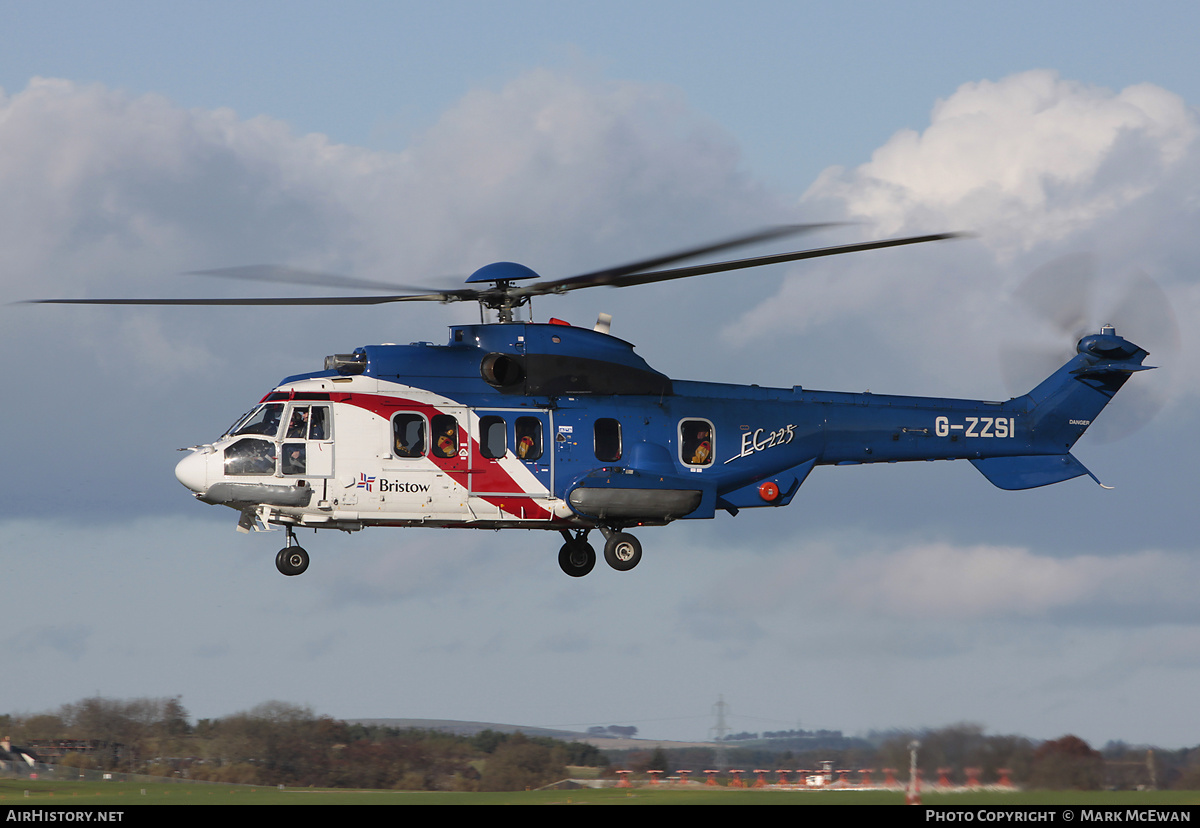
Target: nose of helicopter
<point x="191" y="471"/>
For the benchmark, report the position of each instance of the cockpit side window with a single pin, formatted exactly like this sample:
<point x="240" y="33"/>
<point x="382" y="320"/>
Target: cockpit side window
<point x="250" y="456"/>
<point x="293" y="458"/>
<point x="308" y="422"/>
<point x="318" y="424"/>
<point x="408" y="435"/>
<point x="298" y="423"/>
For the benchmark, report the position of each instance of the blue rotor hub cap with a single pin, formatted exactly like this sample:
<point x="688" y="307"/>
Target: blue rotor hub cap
<point x="502" y="272"/>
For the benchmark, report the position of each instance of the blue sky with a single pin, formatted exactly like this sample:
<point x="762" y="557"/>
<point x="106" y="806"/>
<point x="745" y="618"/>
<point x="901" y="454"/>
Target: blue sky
<point x="412" y="143"/>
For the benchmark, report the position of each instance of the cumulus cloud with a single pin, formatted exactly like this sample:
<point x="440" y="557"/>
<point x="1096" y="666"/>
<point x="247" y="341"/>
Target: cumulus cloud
<point x="1037" y="167"/>
<point x="1026" y="159"/>
<point x="550" y="165"/>
<point x="932" y="597"/>
<point x="112" y="185"/>
<point x="985" y="582"/>
<point x="109" y="190"/>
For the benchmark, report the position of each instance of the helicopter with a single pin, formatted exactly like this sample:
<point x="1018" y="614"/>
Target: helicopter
<point x="550" y="426"/>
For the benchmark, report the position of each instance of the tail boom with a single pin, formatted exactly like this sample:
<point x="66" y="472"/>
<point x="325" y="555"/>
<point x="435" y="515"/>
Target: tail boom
<point x="1019" y="444"/>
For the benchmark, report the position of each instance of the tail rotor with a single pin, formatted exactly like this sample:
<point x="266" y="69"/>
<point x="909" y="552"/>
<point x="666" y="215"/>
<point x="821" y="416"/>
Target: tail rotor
<point x="1070" y="302"/>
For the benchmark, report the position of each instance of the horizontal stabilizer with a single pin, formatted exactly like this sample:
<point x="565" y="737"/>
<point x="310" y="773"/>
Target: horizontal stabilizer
<point x="1029" y="471"/>
<point x="1110" y="368"/>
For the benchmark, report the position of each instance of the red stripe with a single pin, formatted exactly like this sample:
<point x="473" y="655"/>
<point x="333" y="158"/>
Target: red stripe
<point x="489" y="477"/>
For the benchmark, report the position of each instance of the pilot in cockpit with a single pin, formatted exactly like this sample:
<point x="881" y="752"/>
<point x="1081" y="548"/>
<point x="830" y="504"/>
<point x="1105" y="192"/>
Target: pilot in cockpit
<point x="298" y="427"/>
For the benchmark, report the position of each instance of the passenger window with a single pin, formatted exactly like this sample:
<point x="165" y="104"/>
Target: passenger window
<point x="608" y="439"/>
<point x="445" y="436"/>
<point x="696" y="442"/>
<point x="408" y="435"/>
<point x="250" y="456"/>
<point x="493" y="437"/>
<point x="529" y="438"/>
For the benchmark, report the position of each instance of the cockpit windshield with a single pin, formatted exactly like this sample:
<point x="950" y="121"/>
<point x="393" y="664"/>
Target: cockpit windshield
<point x="262" y="420"/>
<point x="237" y="423"/>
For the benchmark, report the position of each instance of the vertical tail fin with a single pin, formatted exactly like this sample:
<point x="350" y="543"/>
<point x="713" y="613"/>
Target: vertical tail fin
<point x="1060" y="409"/>
<point x="1070" y="399"/>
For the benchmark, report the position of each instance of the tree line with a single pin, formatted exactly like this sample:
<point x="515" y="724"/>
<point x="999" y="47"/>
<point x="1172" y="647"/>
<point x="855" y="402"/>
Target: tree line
<point x="277" y="743"/>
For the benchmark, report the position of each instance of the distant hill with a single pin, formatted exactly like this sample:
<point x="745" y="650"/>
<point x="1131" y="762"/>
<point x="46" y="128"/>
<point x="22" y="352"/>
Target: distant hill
<point x="471" y="728"/>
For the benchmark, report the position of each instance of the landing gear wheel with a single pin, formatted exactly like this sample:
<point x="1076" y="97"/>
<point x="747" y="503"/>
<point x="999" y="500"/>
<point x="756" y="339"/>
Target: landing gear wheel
<point x="622" y="551"/>
<point x="291" y="560"/>
<point x="577" y="558"/>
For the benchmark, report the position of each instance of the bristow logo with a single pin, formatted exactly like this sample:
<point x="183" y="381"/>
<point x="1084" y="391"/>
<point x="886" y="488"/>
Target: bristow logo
<point x="386" y="485"/>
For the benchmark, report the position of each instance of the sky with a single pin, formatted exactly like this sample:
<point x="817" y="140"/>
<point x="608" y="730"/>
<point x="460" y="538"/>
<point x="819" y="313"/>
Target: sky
<point x="415" y="143"/>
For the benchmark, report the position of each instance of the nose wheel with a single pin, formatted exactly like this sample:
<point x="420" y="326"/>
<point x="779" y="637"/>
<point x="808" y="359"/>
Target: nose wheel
<point x="292" y="559"/>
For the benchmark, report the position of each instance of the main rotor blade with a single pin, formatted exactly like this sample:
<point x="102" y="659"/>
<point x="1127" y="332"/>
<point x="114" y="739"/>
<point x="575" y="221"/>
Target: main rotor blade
<point x="298" y="276"/>
<point x="563" y="285"/>
<point x="450" y="296"/>
<point x="507" y="295"/>
<point x="612" y="275"/>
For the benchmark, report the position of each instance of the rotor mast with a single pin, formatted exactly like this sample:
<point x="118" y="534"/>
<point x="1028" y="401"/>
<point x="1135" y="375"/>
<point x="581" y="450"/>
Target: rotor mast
<point x="502" y="300"/>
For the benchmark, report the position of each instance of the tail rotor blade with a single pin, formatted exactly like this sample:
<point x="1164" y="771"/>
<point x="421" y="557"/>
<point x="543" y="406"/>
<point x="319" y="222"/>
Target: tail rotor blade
<point x="1060" y="292"/>
<point x="1063" y="294"/>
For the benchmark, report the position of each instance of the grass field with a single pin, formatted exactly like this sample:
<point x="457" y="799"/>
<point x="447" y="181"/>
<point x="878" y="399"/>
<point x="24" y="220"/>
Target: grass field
<point x="125" y="794"/>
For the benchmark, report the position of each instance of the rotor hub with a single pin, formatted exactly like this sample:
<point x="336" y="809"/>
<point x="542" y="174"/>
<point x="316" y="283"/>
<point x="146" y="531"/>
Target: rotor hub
<point x="502" y="272"/>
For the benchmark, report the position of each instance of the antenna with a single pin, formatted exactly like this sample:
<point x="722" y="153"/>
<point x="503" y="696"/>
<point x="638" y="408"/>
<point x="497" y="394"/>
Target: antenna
<point x="721" y="729"/>
<point x="719" y="732"/>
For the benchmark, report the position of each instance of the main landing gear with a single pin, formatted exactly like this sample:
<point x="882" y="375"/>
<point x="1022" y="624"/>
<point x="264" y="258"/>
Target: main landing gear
<point x="291" y="560"/>
<point x="576" y="556"/>
<point x="622" y="551"/>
